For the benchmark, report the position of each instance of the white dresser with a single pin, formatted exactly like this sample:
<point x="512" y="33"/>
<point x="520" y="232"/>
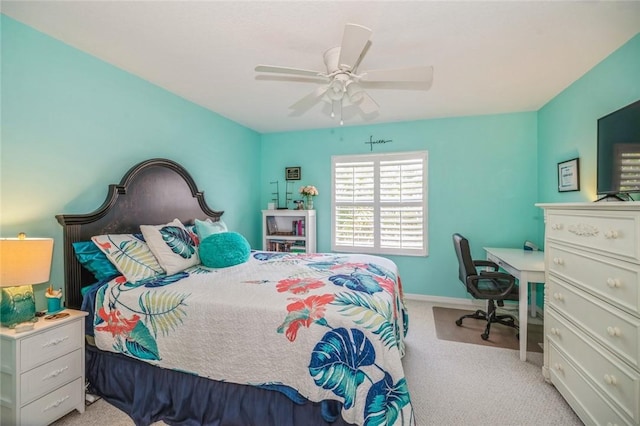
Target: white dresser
<point x="592" y="308"/>
<point x="42" y="371"/>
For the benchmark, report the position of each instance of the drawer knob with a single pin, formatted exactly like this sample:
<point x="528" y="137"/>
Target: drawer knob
<point x="558" y="296"/>
<point x="558" y="261"/>
<point x="555" y="331"/>
<point x="613" y="282"/>
<point x="610" y="379"/>
<point x="614" y="331"/>
<point x="556" y="226"/>
<point x="558" y="366"/>
<point x="611" y="235"/>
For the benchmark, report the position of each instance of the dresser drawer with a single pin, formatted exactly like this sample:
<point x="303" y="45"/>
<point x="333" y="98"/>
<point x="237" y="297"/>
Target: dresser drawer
<point x="54" y="405"/>
<point x="49" y="345"/>
<point x="43" y="379"/>
<point x="619" y="382"/>
<point x="608" y="232"/>
<point x="591" y="406"/>
<point x="617" y="331"/>
<point x="617" y="282"/>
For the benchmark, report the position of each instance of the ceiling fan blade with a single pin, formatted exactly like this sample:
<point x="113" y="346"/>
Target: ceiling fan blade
<point x="354" y="40"/>
<point x="308" y="101"/>
<point x="288" y="70"/>
<point x="413" y="74"/>
<point x="362" y="55"/>
<point x="367" y="105"/>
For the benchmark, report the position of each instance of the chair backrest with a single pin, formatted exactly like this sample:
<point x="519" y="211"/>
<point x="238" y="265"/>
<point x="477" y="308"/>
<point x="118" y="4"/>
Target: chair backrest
<point x="465" y="261"/>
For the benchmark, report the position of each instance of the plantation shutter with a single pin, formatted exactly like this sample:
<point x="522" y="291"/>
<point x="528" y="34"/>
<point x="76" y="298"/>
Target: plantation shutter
<point x="380" y="203"/>
<point x="628" y="167"/>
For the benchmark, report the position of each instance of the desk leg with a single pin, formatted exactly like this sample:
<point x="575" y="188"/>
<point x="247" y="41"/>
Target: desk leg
<point x="523" y="314"/>
<point x="534" y="307"/>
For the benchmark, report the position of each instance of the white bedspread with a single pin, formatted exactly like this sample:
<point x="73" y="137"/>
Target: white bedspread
<point x="327" y="326"/>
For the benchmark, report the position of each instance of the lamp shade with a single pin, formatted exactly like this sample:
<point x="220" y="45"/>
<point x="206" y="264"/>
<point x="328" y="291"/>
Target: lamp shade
<point x="25" y="261"/>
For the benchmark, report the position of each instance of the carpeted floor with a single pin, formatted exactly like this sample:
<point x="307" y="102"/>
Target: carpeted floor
<point x="451" y="384"/>
<point x="500" y="335"/>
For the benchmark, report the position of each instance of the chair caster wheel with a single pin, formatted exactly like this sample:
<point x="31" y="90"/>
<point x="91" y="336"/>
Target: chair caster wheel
<point x="484" y="336"/>
<point x="459" y="322"/>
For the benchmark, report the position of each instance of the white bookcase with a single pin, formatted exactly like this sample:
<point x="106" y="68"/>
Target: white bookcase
<point x="289" y="230"/>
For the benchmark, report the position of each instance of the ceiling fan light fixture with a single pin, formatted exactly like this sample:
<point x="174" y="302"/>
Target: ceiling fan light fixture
<point x="337" y="87"/>
<point x="355" y="92"/>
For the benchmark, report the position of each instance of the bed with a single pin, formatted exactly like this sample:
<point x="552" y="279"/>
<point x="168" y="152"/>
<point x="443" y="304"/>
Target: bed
<point x="274" y="339"/>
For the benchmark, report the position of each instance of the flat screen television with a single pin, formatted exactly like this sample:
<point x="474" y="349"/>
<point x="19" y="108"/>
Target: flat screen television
<point x="618" y="161"/>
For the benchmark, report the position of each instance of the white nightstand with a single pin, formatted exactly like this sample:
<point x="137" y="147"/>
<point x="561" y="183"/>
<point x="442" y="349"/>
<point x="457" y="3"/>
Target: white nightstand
<point x="42" y="371"/>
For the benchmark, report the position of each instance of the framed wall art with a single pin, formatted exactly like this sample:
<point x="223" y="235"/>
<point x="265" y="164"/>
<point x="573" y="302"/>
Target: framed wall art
<point x="292" y="173"/>
<point x="569" y="175"/>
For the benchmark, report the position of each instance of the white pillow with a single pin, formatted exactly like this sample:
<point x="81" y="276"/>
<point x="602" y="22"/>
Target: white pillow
<point x="130" y="255"/>
<point x="172" y="245"/>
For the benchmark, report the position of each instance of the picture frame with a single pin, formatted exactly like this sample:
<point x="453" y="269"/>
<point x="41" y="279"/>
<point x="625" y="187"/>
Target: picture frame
<point x="569" y="175"/>
<point x="292" y="173"/>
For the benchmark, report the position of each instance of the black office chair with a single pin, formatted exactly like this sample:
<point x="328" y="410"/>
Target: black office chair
<point x="492" y="286"/>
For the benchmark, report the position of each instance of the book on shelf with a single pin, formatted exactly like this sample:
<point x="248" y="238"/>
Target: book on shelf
<point x="286" y="246"/>
<point x="298" y="227"/>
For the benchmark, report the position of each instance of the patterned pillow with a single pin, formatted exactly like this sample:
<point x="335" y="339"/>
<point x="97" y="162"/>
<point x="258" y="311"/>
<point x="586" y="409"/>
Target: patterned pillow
<point x="130" y="254"/>
<point x="172" y="245"/>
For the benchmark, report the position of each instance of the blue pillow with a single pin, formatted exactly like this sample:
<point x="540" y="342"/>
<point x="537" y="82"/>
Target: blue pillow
<point x="224" y="249"/>
<point x="204" y="228"/>
<point x="94" y="260"/>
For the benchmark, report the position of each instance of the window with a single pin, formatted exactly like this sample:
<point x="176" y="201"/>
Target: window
<point x="379" y="203"/>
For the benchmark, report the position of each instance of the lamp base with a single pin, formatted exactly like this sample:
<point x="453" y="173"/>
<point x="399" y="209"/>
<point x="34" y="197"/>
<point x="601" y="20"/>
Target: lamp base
<point x="17" y="304"/>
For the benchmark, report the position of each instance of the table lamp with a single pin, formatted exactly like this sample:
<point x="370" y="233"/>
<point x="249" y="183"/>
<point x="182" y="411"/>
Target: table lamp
<point x="23" y="262"/>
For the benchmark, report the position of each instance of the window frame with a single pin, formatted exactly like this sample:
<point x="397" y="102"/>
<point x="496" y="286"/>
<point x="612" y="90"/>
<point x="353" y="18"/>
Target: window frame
<point x="423" y="156"/>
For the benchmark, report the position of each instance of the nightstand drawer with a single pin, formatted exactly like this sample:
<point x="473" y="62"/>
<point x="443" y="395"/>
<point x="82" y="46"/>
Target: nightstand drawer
<point x="49" y="345"/>
<point x="43" y="379"/>
<point x="54" y="405"/>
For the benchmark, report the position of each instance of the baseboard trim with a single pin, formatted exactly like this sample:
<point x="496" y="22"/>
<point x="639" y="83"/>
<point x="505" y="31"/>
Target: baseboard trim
<point x="443" y="300"/>
<point x="440" y="300"/>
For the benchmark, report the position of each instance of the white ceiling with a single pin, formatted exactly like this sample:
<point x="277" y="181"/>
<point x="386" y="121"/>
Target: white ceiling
<point x="488" y="56"/>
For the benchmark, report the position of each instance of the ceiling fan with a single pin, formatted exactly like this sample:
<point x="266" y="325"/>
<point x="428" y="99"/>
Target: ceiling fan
<point x="343" y="84"/>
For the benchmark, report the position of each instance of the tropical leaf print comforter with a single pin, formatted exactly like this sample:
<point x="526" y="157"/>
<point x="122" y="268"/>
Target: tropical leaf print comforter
<point x="320" y="326"/>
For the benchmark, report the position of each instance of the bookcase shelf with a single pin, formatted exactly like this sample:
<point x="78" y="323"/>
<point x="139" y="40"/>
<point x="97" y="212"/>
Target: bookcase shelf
<point x="289" y="230"/>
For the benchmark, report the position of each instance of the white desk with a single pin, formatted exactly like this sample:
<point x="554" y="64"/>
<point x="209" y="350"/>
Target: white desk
<point x="528" y="267"/>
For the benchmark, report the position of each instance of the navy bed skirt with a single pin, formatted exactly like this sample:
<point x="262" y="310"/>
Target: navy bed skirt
<point x="148" y="394"/>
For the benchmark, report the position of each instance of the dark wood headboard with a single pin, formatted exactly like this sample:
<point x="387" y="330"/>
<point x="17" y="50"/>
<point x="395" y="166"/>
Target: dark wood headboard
<point x="153" y="192"/>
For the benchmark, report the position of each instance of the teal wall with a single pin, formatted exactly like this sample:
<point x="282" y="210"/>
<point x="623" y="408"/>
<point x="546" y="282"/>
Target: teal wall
<point x="568" y="124"/>
<point x="482" y="183"/>
<point x="72" y="124"/>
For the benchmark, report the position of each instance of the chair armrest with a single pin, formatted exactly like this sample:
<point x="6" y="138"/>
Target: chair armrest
<point x="472" y="281"/>
<point x="486" y="264"/>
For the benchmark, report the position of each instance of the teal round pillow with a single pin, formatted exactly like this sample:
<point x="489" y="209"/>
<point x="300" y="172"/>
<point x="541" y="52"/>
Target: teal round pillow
<point x="224" y="249"/>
